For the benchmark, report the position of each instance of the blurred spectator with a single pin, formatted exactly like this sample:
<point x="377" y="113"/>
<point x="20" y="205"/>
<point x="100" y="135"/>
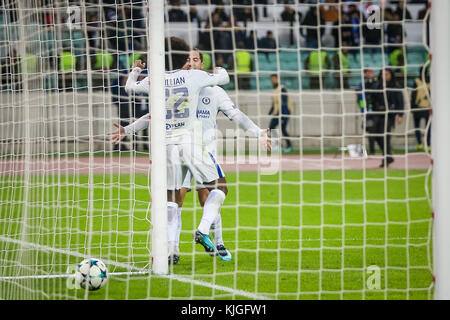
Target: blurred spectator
<point x="397" y="62"/>
<point x="103" y="60"/>
<point x="194" y="2"/>
<point x="115" y="28"/>
<point x="289" y="14"/>
<point x="394" y="30"/>
<point x="204" y="38"/>
<point x="356" y="26"/>
<point x="94" y="30"/>
<point x="251" y="42"/>
<point x="281" y="104"/>
<point x="421" y="16"/>
<point x="329" y="11"/>
<point x="388" y="14"/>
<point x="268" y="42"/>
<point x="216" y="20"/>
<point x="220" y="62"/>
<point x="210" y="35"/>
<point x="244" y="65"/>
<point x="402" y="11"/>
<point x="11" y="78"/>
<point x="193" y="15"/>
<point x="423" y="12"/>
<point x="176" y="14"/>
<point x="388" y="102"/>
<point x="365" y="101"/>
<point x="240" y="35"/>
<point x="138" y="33"/>
<point x="121" y="99"/>
<point x="9" y="10"/>
<point x="242" y="11"/>
<point x="316" y="63"/>
<point x="223" y="40"/>
<point x="421" y="106"/>
<point x="311" y="28"/>
<point x="372" y="37"/>
<point x="67" y="63"/>
<point x="222" y="14"/>
<point x="263" y="2"/>
<point x="345" y="30"/>
<point x="342" y="64"/>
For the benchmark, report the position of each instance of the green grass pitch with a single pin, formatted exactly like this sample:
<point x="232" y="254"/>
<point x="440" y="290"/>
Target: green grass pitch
<point x="293" y="235"/>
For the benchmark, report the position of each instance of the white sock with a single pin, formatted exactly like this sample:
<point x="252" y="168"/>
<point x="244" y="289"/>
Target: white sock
<point x="216" y="230"/>
<point x="172" y="224"/>
<point x="211" y="209"/>
<point x="177" y="240"/>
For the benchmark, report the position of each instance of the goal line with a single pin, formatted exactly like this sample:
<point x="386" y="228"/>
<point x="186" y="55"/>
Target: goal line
<point x="135" y="271"/>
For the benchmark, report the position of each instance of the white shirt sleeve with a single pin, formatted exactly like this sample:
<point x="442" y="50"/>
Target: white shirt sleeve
<point x="205" y="79"/>
<point x="225" y="104"/>
<point x="134" y="86"/>
<point x="140" y="124"/>
<point x="246" y="124"/>
<point x="228" y="108"/>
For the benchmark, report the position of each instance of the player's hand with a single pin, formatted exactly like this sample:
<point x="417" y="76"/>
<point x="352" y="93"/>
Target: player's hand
<point x="186" y="66"/>
<point x="265" y="139"/>
<point x="139" y="64"/>
<point x="117" y="135"/>
<point x="399" y="120"/>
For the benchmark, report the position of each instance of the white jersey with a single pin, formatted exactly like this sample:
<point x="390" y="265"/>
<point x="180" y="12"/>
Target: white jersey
<point x="212" y="101"/>
<point x="182" y="89"/>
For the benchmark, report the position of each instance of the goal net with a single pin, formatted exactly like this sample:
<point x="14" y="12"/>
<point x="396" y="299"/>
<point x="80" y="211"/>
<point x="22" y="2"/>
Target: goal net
<point x="339" y="209"/>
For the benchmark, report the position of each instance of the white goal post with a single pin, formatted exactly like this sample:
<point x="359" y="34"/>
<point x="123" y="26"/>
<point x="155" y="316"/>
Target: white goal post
<point x="440" y="93"/>
<point x="158" y="147"/>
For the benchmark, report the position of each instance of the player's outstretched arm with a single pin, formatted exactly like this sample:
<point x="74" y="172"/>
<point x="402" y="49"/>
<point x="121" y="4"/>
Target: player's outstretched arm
<point x="204" y="79"/>
<point x="117" y="135"/>
<point x="134" y="86"/>
<point x="138" y="125"/>
<point x="251" y="129"/>
<point x="265" y="139"/>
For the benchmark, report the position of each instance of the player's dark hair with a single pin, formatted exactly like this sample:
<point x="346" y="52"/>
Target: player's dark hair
<point x="177" y="52"/>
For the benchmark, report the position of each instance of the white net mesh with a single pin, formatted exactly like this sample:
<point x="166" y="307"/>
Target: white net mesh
<point x="325" y="222"/>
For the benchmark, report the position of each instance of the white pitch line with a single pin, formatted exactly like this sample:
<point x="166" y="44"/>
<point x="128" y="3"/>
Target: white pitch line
<point x="66" y="275"/>
<point x="71" y="253"/>
<point x="126" y="266"/>
<point x="217" y="287"/>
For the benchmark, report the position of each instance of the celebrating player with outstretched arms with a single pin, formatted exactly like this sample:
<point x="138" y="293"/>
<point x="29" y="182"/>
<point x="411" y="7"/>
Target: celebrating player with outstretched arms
<point x="184" y="154"/>
<point x="212" y="100"/>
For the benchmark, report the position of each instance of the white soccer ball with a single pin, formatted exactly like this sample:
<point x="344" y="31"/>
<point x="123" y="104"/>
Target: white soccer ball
<point x="91" y="274"/>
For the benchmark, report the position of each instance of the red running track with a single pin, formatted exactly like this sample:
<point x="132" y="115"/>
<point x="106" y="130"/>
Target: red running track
<point x="267" y="165"/>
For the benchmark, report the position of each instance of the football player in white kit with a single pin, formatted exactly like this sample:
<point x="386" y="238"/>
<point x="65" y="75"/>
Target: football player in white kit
<point x="212" y="101"/>
<point x="184" y="154"/>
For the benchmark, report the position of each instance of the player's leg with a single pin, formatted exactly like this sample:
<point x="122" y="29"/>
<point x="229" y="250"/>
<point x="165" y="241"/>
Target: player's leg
<point x="174" y="231"/>
<point x="390" y="125"/>
<point x="183" y="192"/>
<point x="272" y="125"/>
<point x="428" y="132"/>
<point x="174" y="199"/>
<point x="284" y="122"/>
<point x="174" y="203"/>
<point x="207" y="172"/>
<point x="417" y="119"/>
<point x="216" y="226"/>
<point x="211" y="215"/>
